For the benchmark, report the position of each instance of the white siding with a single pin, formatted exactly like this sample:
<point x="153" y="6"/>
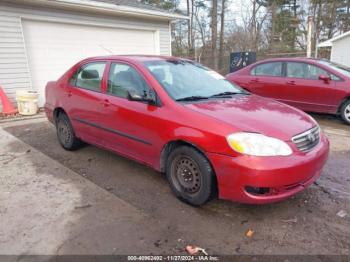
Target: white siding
<point x="14" y="69"/>
<point x="14" y="72"/>
<point x="341" y="51"/>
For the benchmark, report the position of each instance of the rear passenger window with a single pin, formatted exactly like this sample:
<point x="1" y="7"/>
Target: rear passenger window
<point x="90" y="76"/>
<point x="268" y="69"/>
<point x="123" y="78"/>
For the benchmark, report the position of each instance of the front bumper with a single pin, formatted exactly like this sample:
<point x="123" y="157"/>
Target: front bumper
<point x="280" y="177"/>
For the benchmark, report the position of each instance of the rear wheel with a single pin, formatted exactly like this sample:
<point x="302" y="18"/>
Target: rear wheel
<point x="190" y="175"/>
<point x="345" y="112"/>
<point x="65" y="133"/>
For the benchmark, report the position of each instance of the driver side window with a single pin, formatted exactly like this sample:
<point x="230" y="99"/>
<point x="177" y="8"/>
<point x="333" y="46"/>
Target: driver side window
<point x="307" y="71"/>
<point x="123" y="78"/>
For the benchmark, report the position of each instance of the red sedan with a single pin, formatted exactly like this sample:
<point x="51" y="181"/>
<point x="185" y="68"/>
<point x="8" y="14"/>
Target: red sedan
<point x="208" y="135"/>
<point x="311" y="85"/>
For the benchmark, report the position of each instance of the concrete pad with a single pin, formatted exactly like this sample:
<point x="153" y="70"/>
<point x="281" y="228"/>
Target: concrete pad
<point x="45" y="208"/>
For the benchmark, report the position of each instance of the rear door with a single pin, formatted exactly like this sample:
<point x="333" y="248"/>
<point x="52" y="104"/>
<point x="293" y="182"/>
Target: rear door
<point x="84" y="101"/>
<point x="267" y="80"/>
<point x="306" y="91"/>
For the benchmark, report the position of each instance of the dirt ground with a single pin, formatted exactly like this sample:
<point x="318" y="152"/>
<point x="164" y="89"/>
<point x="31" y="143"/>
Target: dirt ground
<point x="304" y="224"/>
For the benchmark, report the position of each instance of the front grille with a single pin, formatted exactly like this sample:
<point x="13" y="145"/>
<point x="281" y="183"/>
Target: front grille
<point x="308" y="140"/>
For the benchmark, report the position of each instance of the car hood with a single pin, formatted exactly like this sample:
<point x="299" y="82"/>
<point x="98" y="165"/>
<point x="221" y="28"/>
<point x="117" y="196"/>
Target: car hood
<point x="253" y="113"/>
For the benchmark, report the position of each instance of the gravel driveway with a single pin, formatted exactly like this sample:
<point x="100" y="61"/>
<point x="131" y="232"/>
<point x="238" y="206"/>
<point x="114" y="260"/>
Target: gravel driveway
<point x="305" y="224"/>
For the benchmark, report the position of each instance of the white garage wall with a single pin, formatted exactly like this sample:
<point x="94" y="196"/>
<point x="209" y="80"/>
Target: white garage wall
<point x="54" y="47"/>
<point x="341" y="51"/>
<point x="14" y="68"/>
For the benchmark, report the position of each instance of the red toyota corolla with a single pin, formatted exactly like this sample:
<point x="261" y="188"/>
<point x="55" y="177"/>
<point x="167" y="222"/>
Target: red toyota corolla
<point x="311" y="85"/>
<point x="181" y="118"/>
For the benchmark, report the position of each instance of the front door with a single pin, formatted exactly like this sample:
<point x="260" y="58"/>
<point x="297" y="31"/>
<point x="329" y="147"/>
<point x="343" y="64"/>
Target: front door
<point x="306" y="91"/>
<point x="129" y="126"/>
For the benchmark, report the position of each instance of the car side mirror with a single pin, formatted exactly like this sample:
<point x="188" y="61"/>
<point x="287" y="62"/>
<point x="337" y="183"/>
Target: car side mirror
<point x="133" y="95"/>
<point x="149" y="97"/>
<point x="324" y="78"/>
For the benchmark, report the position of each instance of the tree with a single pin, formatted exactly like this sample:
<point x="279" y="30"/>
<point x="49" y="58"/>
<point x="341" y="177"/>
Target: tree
<point x="201" y="26"/>
<point x="214" y="33"/>
<point x="164" y="4"/>
<point x="222" y="34"/>
<point x="269" y="27"/>
<point x="190" y="33"/>
<point x="331" y="17"/>
<point x="343" y="12"/>
<point x="256" y="23"/>
<point x="283" y="23"/>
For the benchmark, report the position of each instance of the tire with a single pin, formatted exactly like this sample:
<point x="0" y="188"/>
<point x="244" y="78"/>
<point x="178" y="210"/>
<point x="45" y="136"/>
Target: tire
<point x="190" y="176"/>
<point x="65" y="133"/>
<point x="345" y="112"/>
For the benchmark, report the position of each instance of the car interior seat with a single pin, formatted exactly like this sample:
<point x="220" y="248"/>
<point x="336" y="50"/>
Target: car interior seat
<point x="89" y="79"/>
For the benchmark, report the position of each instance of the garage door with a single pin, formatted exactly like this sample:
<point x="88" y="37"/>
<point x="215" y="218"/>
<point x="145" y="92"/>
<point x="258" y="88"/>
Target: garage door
<point x="52" y="48"/>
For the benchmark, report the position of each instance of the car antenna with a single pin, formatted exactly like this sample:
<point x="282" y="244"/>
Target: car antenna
<point x="108" y="50"/>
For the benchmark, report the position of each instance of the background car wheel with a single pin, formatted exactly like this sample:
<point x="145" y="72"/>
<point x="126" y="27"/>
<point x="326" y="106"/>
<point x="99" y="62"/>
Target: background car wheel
<point x="190" y="175"/>
<point x="345" y="112"/>
<point x="65" y="133"/>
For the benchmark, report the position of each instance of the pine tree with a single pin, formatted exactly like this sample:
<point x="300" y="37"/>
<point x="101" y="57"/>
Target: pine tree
<point x="164" y="4"/>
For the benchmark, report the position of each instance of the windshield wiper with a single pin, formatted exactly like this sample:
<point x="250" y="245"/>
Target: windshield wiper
<point x="223" y="94"/>
<point x="229" y="93"/>
<point x="192" y="98"/>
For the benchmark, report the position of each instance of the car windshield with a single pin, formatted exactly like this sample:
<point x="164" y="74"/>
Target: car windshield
<point x="337" y="67"/>
<point x="187" y="80"/>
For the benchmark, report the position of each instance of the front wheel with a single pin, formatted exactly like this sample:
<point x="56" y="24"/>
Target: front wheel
<point x="190" y="175"/>
<point x="345" y="112"/>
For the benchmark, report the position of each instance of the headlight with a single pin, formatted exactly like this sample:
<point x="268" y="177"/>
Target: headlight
<point x="258" y="145"/>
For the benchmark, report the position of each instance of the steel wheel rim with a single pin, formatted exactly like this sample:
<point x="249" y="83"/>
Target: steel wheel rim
<point x="63" y="132"/>
<point x="347" y="112"/>
<point x="186" y="175"/>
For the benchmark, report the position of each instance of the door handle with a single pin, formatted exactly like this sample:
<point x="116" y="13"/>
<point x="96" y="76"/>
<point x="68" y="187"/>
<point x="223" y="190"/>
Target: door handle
<point x="256" y="80"/>
<point x="106" y="103"/>
<point x="291" y="82"/>
<point x="69" y="93"/>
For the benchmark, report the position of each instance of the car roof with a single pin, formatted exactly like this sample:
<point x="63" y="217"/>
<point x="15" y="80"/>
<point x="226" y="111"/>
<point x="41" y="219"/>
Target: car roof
<point x="136" y="58"/>
<point x="293" y="59"/>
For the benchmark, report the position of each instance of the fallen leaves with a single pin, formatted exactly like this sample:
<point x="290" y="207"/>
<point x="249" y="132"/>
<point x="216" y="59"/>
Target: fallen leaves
<point x="249" y="233"/>
<point x="193" y="250"/>
<point x="83" y="206"/>
<point x="292" y="220"/>
<point x="342" y="213"/>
